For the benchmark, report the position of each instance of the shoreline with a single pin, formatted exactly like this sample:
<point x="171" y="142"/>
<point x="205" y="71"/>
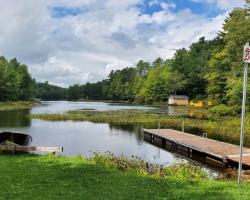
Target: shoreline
<point x="17" y="105"/>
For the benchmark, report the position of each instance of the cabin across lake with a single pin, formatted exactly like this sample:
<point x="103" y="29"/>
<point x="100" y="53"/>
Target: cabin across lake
<point x="179" y="100"/>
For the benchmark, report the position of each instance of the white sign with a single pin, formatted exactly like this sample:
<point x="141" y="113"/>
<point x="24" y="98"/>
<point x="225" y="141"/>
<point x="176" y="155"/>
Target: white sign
<point x="246" y="57"/>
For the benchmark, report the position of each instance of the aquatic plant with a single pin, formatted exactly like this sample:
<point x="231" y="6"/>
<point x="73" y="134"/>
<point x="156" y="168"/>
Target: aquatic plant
<point x="19" y="105"/>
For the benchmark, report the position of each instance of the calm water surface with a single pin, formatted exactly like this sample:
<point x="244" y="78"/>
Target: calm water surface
<point x="64" y="106"/>
<point x="84" y="138"/>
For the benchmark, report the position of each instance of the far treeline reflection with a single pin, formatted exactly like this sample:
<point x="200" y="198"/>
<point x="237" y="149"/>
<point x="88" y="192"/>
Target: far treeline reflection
<point x="15" y="118"/>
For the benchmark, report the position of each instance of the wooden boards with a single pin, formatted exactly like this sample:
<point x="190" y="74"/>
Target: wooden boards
<point x="18" y="148"/>
<point x="212" y="148"/>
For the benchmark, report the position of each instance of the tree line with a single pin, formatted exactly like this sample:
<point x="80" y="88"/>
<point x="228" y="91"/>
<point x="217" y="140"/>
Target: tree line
<point x="208" y="69"/>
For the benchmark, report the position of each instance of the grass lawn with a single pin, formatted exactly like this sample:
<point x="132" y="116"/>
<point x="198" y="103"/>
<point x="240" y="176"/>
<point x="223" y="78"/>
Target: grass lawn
<point x="57" y="177"/>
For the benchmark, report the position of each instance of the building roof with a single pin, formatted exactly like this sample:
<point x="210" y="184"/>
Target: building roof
<point x="178" y="97"/>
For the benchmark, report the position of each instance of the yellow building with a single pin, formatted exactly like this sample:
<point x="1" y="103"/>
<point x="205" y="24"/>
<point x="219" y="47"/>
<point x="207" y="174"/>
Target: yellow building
<point x="178" y="100"/>
<point x="200" y="103"/>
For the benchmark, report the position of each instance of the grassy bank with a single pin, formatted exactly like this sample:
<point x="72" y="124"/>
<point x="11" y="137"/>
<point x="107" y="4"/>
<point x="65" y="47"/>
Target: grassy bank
<point x="4" y="106"/>
<point x="221" y="128"/>
<point x="55" y="177"/>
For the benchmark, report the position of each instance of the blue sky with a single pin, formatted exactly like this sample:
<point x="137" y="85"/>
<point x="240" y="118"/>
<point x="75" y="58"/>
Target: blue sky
<point x="60" y="11"/>
<point x="151" y="6"/>
<point x="81" y="41"/>
<point x="201" y="8"/>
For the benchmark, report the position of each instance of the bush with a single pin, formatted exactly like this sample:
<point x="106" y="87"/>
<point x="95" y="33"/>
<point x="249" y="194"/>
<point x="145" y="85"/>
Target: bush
<point x="224" y="110"/>
<point x="139" y="166"/>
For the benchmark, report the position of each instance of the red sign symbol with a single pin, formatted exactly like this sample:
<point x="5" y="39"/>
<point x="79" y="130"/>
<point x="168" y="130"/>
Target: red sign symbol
<point x="247" y="54"/>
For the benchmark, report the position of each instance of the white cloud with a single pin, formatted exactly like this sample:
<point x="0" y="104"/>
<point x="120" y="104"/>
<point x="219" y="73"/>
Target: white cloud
<point x="106" y="35"/>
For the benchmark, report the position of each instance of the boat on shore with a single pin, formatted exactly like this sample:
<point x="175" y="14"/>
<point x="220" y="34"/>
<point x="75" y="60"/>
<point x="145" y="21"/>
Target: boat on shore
<point x="15" y="138"/>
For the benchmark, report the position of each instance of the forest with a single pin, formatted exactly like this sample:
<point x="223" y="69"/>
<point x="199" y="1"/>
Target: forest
<point x="207" y="70"/>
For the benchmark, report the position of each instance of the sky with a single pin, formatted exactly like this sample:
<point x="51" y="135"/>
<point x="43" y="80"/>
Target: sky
<point x="73" y="42"/>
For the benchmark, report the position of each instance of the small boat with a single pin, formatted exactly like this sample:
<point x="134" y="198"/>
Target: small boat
<point x="16" y="138"/>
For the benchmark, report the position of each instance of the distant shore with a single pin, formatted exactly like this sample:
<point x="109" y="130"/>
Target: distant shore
<point x="17" y="105"/>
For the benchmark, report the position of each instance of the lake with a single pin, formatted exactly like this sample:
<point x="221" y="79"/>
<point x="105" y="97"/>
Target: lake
<point x="84" y="138"/>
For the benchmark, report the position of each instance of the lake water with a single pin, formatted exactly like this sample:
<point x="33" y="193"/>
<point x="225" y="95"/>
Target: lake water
<point x="84" y="138"/>
<point x="64" y="106"/>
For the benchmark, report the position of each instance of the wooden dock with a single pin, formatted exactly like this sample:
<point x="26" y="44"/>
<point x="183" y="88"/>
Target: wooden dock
<point x="18" y="148"/>
<point x="190" y="144"/>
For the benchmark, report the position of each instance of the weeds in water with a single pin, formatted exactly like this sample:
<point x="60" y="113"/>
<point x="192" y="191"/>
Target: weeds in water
<point x="19" y="105"/>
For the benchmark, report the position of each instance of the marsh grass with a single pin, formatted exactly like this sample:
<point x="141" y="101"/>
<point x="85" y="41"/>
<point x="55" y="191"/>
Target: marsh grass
<point x="19" y="105"/>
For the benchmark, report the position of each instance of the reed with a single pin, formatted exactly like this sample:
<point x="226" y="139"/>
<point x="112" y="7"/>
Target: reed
<point x="18" y="105"/>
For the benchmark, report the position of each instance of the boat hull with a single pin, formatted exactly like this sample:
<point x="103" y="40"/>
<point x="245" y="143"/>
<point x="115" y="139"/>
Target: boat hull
<point x="17" y="138"/>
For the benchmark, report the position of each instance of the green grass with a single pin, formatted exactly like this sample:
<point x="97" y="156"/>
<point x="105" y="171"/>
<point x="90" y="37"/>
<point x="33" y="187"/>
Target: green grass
<point x="4" y="106"/>
<point x="220" y="128"/>
<point x="57" y="177"/>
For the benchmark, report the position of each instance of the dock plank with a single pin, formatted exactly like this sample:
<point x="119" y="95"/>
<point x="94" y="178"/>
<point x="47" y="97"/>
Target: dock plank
<point x="18" y="148"/>
<point x="208" y="146"/>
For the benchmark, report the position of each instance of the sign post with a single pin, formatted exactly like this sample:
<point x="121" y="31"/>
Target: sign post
<point x="246" y="59"/>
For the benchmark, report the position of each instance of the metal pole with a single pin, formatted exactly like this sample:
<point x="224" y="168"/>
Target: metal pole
<point x="242" y="120"/>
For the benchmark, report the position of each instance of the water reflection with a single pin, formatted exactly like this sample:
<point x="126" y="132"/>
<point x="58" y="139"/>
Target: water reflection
<point x="187" y="112"/>
<point x="15" y="118"/>
<point x="130" y="129"/>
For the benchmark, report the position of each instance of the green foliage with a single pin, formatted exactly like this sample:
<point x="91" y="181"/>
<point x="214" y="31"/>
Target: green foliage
<point x="19" y="105"/>
<point x="141" y="167"/>
<point x="224" y="110"/>
<point x="121" y="84"/>
<point x="15" y="81"/>
<point x="45" y="91"/>
<point x="226" y="65"/>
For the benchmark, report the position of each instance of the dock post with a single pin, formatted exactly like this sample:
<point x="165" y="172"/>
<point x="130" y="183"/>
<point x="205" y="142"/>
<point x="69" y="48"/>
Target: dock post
<point x="159" y="125"/>
<point x="182" y="126"/>
<point x="204" y="144"/>
<point x="190" y="153"/>
<point x="141" y="129"/>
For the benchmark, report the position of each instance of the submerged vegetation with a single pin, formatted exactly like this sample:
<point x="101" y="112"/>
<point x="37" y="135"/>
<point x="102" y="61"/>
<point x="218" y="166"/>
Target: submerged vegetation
<point x="105" y="177"/>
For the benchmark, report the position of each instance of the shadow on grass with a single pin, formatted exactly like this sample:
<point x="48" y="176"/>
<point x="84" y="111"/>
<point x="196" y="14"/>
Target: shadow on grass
<point x="55" y="177"/>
